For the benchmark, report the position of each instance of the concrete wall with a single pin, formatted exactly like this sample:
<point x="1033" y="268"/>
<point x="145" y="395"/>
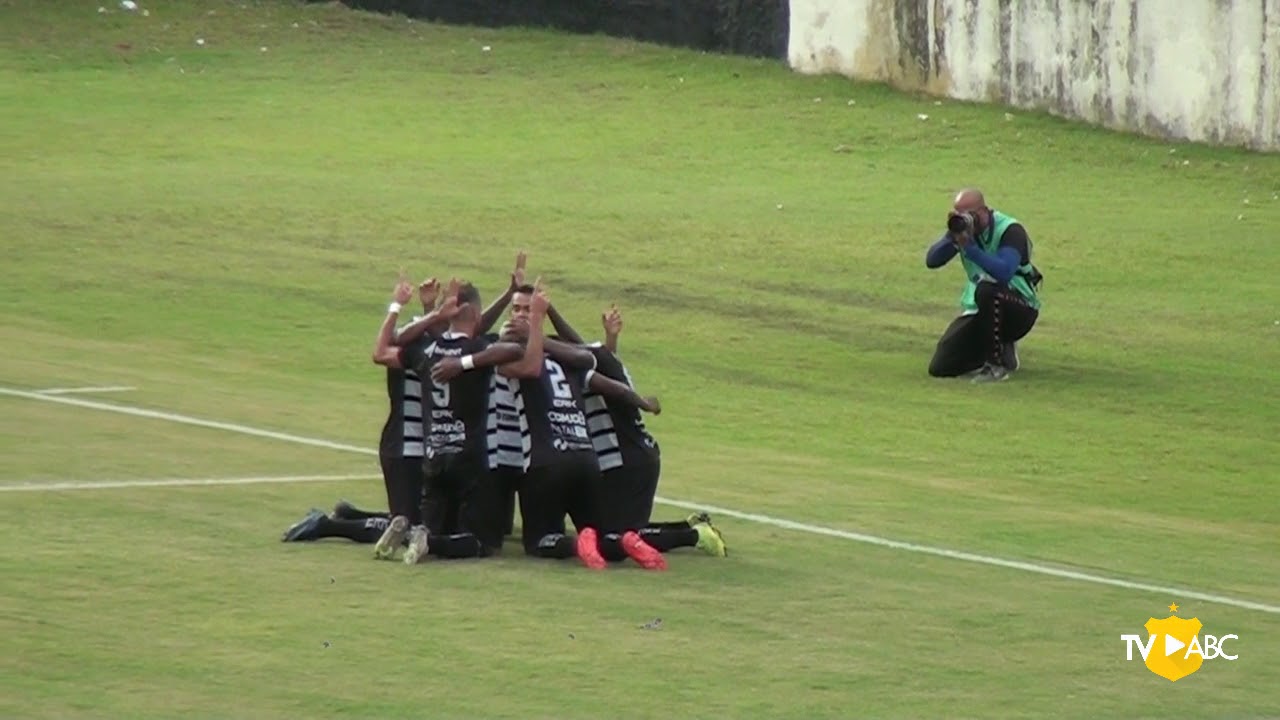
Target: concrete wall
<point x="1204" y="70"/>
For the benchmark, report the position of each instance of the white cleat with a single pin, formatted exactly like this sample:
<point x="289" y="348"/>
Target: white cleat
<point x="418" y="548"/>
<point x="391" y="539"/>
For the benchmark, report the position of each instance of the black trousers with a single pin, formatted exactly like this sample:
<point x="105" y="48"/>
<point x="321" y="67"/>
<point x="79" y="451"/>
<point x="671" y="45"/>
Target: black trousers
<point x="461" y="495"/>
<point x="403" y="479"/>
<point x="971" y="341"/>
<point x="626" y="496"/>
<point x="569" y="487"/>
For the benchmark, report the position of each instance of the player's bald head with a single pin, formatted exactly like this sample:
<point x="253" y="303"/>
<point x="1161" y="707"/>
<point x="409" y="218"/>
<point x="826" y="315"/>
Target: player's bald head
<point x="969" y="200"/>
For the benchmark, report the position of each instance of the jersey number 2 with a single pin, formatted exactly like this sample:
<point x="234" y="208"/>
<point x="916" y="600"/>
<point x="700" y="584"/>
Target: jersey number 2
<point x="559" y="383"/>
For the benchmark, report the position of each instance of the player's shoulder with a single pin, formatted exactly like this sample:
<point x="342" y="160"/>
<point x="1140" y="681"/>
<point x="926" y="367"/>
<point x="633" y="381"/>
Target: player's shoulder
<point x="1014" y="232"/>
<point x="448" y="338"/>
<point x="463" y="340"/>
<point x="607" y="362"/>
<point x="1015" y="236"/>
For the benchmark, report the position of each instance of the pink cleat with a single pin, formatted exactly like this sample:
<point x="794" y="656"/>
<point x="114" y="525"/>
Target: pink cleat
<point x="589" y="549"/>
<point x="642" y="552"/>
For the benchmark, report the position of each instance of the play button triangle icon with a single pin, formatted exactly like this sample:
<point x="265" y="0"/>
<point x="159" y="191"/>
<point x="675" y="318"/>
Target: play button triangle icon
<point x="1172" y="645"/>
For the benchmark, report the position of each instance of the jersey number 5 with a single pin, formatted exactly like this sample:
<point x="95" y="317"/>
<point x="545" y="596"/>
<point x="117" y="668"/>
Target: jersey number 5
<point x="559" y="383"/>
<point x="439" y="394"/>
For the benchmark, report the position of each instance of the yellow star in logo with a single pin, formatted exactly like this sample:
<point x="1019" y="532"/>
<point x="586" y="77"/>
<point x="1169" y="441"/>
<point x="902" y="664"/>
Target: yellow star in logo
<point x="1173" y="608"/>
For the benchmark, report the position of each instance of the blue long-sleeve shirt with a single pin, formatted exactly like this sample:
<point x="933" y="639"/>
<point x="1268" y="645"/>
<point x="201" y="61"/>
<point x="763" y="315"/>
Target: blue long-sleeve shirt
<point x="1001" y="265"/>
<point x="940" y="253"/>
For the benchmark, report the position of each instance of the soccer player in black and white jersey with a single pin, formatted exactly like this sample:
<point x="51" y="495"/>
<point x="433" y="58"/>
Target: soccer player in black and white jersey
<point x="540" y="428"/>
<point x="630" y="460"/>
<point x="458" y="484"/>
<point x="559" y="474"/>
<point x="400" y="447"/>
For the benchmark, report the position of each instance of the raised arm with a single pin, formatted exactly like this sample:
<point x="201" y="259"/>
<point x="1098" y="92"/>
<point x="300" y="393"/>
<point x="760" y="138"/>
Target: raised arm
<point x="384" y="345"/>
<point x="1001" y="266"/>
<point x="1005" y="261"/>
<point x="432" y="323"/>
<point x="941" y="252"/>
<point x="428" y="292"/>
<point x="387" y="353"/>
<point x="615" y="390"/>
<point x="612" y="322"/>
<point x="562" y="326"/>
<point x="493" y="313"/>
<point x="573" y="356"/>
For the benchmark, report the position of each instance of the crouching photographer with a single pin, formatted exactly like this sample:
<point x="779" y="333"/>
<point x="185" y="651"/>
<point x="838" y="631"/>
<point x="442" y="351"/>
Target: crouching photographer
<point x="999" y="303"/>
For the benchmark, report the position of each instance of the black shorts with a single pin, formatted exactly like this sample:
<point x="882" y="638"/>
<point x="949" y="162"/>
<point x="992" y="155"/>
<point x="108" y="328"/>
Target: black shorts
<point x="626" y="496"/>
<point x="403" y="479"/>
<point x="548" y="493"/>
<point x="460" y="495"/>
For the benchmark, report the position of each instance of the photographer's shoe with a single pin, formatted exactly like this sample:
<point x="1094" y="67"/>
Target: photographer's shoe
<point x="991" y="373"/>
<point x="1009" y="357"/>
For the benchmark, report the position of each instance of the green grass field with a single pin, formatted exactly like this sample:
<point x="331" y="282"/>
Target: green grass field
<point x="219" y="226"/>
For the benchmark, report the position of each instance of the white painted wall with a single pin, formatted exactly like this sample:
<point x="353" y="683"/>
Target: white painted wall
<point x="1204" y="70"/>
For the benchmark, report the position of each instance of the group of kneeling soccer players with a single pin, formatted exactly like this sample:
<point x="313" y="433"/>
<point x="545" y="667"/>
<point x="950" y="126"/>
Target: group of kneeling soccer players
<point x="478" y="419"/>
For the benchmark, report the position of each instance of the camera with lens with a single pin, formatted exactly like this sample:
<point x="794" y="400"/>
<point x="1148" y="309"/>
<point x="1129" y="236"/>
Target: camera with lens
<point x="960" y="222"/>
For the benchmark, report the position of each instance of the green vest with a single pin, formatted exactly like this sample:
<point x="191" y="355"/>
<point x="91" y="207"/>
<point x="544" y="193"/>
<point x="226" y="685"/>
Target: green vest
<point x="990" y="242"/>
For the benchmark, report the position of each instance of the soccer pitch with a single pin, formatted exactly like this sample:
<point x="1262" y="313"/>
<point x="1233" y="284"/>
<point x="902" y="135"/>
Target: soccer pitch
<point x="210" y="232"/>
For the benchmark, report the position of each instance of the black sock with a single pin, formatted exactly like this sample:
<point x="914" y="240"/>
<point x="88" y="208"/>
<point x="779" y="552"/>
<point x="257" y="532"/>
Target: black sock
<point x="351" y="512"/>
<point x="611" y="547"/>
<point x="509" y="513"/>
<point x="673" y="525"/>
<point x="556" y="547"/>
<point x="452" y="547"/>
<point x="361" y="531"/>
<point x="666" y="539"/>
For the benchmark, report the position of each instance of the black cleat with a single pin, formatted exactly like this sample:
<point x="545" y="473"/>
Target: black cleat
<point x="306" y="529"/>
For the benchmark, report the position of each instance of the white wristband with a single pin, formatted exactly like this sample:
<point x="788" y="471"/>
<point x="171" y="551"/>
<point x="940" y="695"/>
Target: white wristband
<point x="468" y="362"/>
<point x="394" y="307"/>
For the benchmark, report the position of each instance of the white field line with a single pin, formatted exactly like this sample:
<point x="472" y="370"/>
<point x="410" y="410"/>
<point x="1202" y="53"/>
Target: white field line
<point x="73" y="390"/>
<point x="36" y="486"/>
<point x="186" y="420"/>
<point x="1172" y="593"/>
